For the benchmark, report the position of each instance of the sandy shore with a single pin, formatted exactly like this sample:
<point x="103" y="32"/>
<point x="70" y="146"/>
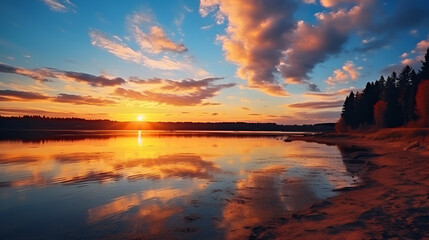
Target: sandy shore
<point x="391" y="203"/>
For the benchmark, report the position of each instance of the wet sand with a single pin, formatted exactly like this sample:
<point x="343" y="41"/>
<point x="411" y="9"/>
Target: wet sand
<point x="391" y="203"/>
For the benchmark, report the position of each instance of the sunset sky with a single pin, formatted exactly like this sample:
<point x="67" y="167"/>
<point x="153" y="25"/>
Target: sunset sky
<point x="283" y="61"/>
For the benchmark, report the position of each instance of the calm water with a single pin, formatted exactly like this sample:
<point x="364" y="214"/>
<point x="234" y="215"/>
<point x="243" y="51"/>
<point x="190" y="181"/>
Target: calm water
<point x="159" y="185"/>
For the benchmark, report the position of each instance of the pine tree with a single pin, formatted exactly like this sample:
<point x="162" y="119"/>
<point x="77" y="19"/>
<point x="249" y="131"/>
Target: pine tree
<point x="424" y="71"/>
<point x="348" y="107"/>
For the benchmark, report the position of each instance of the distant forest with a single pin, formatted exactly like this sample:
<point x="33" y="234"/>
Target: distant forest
<point x="399" y="100"/>
<point x="41" y="122"/>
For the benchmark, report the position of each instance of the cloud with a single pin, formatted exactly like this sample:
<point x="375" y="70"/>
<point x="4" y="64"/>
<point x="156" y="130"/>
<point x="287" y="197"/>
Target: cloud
<point x="256" y="35"/>
<point x="207" y="27"/>
<point x="187" y="84"/>
<point x="418" y="52"/>
<point x="318" y="104"/>
<point x="56" y="6"/>
<point x="313" y="87"/>
<point x="192" y="92"/>
<point x="329" y="95"/>
<point x="245" y="108"/>
<point x="154" y="39"/>
<point x="333" y="3"/>
<point x="82" y="100"/>
<point x="123" y="51"/>
<point x="252" y="34"/>
<point x="12" y="95"/>
<point x="44" y="74"/>
<point x="145" y="81"/>
<point x="40" y="75"/>
<point x="313" y="44"/>
<point x="414" y="32"/>
<point x="348" y="72"/>
<point x="412" y="58"/>
<point x="188" y="9"/>
<point x="118" y="49"/>
<point x="95" y="81"/>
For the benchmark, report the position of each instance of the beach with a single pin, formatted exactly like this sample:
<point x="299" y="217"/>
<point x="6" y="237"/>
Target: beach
<point x="391" y="203"/>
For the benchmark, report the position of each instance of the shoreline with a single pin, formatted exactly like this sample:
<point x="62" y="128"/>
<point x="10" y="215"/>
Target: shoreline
<point x="391" y="203"/>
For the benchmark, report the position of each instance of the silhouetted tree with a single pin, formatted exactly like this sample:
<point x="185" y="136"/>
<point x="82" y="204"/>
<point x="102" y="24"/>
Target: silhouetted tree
<point x="424" y="71"/>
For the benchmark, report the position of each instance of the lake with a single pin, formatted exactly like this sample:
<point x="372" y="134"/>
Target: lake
<point x="159" y="185"/>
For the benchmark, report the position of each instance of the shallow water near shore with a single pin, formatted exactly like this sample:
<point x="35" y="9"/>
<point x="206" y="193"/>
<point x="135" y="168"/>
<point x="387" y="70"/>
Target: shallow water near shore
<point x="149" y="185"/>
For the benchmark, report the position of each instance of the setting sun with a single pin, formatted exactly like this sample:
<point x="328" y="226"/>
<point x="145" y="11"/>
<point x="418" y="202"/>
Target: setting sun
<point x="140" y="118"/>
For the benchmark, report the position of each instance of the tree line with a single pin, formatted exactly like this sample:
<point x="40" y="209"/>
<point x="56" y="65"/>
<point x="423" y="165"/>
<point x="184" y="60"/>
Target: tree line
<point x="41" y="122"/>
<point x="399" y="100"/>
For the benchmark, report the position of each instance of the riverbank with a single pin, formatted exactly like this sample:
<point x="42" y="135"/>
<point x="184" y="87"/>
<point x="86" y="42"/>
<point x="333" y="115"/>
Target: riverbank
<point x="391" y="203"/>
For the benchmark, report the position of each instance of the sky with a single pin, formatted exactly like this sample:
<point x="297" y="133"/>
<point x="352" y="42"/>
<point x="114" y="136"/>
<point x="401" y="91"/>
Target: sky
<point x="283" y="61"/>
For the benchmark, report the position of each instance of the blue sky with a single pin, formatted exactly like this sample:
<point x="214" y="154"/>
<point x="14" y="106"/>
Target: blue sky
<point x="208" y="60"/>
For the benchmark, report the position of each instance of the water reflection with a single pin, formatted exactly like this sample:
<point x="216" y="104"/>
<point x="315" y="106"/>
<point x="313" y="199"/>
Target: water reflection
<point x="159" y="186"/>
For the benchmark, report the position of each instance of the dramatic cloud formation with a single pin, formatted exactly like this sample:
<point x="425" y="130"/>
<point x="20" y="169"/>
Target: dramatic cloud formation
<point x="45" y="74"/>
<point x="192" y="92"/>
<point x="348" y="72"/>
<point x="257" y="33"/>
<point x="318" y="104"/>
<point x="313" y="44"/>
<point x="12" y="96"/>
<point x="155" y="40"/>
<point x="266" y="42"/>
<point x="56" y="6"/>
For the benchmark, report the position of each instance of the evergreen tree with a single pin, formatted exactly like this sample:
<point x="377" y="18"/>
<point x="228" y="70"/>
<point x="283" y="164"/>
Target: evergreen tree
<point x="347" y="113"/>
<point x="424" y="71"/>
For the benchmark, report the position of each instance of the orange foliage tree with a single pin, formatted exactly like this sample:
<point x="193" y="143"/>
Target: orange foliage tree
<point x="422" y="103"/>
<point x="379" y="113"/>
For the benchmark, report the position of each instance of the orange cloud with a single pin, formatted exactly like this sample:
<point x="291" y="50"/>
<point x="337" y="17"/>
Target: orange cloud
<point x="333" y="3"/>
<point x="419" y="51"/>
<point x="348" y="72"/>
<point x="156" y="40"/>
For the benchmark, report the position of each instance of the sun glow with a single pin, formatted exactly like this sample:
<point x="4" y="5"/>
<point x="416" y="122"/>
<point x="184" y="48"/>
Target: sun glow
<point x="140" y="118"/>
